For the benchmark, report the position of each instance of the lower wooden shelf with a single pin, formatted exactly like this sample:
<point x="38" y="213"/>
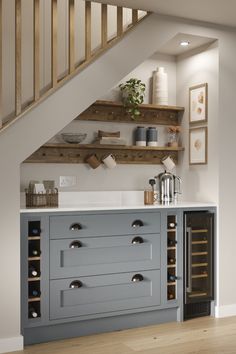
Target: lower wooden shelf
<point x="77" y="153"/>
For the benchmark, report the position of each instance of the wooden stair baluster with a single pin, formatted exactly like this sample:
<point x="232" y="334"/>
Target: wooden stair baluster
<point x="54" y="24"/>
<point x="87" y="30"/>
<point x="71" y="36"/>
<point x="119" y="21"/>
<point x="17" y="57"/>
<point x="36" y="50"/>
<point x="104" y="25"/>
<point x="134" y="16"/>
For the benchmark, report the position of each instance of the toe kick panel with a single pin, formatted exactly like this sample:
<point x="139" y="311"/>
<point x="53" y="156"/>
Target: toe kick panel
<point x="105" y="293"/>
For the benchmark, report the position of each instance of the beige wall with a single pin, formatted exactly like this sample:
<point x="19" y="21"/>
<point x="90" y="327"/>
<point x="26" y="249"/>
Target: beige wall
<point x="200" y="182"/>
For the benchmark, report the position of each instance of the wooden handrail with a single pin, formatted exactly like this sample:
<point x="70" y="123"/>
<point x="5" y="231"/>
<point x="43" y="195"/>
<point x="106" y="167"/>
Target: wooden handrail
<point x="39" y="91"/>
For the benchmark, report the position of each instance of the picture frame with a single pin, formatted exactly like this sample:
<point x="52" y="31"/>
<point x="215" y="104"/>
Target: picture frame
<point x="198" y="145"/>
<point x="198" y="103"/>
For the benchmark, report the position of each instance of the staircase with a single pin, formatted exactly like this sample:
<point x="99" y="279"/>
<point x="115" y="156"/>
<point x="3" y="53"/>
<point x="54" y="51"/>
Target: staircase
<point x="89" y="29"/>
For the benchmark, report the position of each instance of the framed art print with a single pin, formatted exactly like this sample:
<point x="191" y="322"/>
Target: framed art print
<point x="198" y="105"/>
<point x="198" y="146"/>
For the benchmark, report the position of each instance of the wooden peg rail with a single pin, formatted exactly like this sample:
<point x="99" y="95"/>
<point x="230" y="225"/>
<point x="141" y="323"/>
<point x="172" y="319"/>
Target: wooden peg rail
<point x="108" y="111"/>
<point x="77" y="153"/>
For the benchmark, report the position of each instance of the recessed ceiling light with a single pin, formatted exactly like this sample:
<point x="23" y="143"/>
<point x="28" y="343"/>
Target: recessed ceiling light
<point x="184" y="43"/>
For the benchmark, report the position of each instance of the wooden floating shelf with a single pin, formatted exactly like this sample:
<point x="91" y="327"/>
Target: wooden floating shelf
<point x="108" y="111"/>
<point x="77" y="153"/>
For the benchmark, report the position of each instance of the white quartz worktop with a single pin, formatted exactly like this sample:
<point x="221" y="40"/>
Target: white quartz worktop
<point x="99" y="201"/>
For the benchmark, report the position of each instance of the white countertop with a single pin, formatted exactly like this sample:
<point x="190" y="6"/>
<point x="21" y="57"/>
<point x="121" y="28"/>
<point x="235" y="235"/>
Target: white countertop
<point x="117" y="200"/>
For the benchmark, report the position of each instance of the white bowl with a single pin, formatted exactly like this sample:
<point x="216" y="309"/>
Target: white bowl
<point x="73" y="138"/>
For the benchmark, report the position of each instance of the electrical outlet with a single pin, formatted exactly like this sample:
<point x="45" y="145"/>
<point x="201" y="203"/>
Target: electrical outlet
<point x="67" y="181"/>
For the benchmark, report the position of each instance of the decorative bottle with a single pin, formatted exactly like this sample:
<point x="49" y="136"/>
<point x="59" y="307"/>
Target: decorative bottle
<point x="160" y="87"/>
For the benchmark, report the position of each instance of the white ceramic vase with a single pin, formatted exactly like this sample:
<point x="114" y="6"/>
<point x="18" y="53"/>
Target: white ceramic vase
<point x="160" y="87"/>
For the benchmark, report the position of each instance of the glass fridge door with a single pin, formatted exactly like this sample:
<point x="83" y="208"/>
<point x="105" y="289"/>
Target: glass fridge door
<point x="198" y="257"/>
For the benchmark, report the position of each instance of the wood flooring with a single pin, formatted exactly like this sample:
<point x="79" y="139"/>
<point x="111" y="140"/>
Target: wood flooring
<point x="204" y="335"/>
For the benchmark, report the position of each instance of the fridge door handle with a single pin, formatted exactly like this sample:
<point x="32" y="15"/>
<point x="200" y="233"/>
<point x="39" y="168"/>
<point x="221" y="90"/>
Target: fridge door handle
<point x="189" y="255"/>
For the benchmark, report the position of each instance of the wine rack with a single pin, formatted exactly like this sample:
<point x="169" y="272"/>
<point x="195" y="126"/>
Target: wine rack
<point x="34" y="269"/>
<point x="171" y="257"/>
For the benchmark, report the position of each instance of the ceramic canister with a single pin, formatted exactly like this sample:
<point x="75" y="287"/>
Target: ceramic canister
<point x="140" y="136"/>
<point x="152" y="136"/>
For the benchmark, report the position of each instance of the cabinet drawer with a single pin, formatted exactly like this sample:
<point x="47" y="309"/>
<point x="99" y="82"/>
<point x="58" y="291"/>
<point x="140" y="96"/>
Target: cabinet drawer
<point x="79" y="225"/>
<point x="103" y="293"/>
<point x="102" y="255"/>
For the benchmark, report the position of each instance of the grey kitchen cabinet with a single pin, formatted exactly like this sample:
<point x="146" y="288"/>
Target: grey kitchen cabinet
<point x="100" y="271"/>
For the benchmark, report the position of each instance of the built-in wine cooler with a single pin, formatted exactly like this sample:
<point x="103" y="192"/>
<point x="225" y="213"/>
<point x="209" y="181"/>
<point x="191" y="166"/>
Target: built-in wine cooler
<point x="34" y="269"/>
<point x="198" y="263"/>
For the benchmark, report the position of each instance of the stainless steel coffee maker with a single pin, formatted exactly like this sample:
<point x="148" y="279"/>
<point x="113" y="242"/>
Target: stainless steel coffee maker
<point x="169" y="187"/>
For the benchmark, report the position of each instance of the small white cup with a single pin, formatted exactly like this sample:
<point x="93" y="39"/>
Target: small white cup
<point x="168" y="163"/>
<point x="109" y="161"/>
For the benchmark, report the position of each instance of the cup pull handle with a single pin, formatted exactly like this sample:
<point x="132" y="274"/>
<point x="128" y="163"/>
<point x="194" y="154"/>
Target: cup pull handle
<point x="76" y="284"/>
<point x="76" y="227"/>
<point x="137" y="240"/>
<point x="137" y="277"/>
<point x="137" y="223"/>
<point x="75" y="244"/>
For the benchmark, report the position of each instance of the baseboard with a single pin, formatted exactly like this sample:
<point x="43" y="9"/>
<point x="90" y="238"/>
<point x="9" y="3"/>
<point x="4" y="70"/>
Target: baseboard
<point x="225" y="311"/>
<point x="11" y="344"/>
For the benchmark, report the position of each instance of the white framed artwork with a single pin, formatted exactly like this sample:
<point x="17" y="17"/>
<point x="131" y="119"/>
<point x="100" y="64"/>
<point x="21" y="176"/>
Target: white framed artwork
<point x="198" y="146"/>
<point x="198" y="103"/>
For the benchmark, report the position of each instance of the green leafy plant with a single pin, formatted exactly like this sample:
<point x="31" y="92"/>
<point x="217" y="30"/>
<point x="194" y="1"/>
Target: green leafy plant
<point x="133" y="92"/>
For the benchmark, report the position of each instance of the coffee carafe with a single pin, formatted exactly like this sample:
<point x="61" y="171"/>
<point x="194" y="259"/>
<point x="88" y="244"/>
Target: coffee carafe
<point x="169" y="187"/>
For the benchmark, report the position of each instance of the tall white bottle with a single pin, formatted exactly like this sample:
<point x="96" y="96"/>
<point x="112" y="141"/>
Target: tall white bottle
<point x="160" y="87"/>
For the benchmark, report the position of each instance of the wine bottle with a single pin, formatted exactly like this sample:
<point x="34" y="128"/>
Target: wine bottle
<point x="33" y="313"/>
<point x="33" y="272"/>
<point x="171" y="243"/>
<point x="33" y="251"/>
<point x="171" y="296"/>
<point x="171" y="260"/>
<point x="172" y="278"/>
<point x="34" y="292"/>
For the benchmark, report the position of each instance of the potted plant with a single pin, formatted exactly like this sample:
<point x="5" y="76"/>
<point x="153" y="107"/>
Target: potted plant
<point x="133" y="92"/>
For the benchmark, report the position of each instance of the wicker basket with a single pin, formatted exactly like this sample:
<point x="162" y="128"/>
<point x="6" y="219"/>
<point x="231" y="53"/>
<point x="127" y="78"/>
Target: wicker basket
<point x="47" y="200"/>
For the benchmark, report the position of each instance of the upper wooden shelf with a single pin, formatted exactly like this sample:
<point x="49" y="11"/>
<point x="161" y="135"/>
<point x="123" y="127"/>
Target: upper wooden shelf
<point x="108" y="111"/>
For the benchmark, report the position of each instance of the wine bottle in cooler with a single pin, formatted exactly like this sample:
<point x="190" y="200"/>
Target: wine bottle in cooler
<point x="33" y="312"/>
<point x="33" y="272"/>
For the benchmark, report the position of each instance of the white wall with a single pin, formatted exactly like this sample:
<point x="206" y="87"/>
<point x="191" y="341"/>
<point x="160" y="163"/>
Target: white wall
<point x="200" y="182"/>
<point x="137" y="176"/>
